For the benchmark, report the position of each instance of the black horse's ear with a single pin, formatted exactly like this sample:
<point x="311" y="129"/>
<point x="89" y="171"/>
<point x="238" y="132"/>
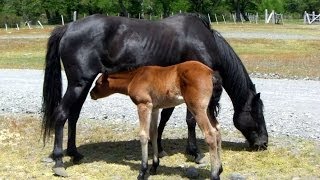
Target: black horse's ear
<point x="257" y="96"/>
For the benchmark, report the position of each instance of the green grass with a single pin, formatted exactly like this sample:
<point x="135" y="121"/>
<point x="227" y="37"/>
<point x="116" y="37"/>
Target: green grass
<point x="112" y="151"/>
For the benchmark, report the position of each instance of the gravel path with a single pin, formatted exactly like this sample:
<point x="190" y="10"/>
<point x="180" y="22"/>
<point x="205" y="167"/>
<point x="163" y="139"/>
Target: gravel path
<point x="292" y="107"/>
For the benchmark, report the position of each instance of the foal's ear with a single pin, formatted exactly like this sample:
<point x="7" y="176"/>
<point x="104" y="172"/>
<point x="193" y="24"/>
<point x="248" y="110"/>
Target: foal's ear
<point x="104" y="78"/>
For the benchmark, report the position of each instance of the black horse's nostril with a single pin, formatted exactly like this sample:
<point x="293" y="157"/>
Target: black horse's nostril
<point x="265" y="144"/>
<point x="260" y="146"/>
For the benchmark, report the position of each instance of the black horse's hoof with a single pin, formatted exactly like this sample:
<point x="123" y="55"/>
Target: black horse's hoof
<point x="140" y="177"/>
<point x="200" y="159"/>
<point x="76" y="157"/>
<point x="60" y="171"/>
<point x="162" y="154"/>
<point x="153" y="171"/>
<point x="215" y="178"/>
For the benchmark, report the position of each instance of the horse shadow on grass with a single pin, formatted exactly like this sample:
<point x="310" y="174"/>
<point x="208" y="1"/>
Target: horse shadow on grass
<point x="125" y="152"/>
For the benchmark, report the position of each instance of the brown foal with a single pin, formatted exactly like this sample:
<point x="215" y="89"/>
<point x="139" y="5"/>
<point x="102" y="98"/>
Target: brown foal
<point x="154" y="87"/>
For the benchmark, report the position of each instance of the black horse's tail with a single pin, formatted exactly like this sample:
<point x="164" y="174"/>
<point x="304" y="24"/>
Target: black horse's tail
<point x="52" y="83"/>
<point x="214" y="105"/>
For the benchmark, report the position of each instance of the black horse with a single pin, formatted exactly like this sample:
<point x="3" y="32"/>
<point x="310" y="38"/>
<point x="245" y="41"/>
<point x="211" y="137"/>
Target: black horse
<point x="111" y="44"/>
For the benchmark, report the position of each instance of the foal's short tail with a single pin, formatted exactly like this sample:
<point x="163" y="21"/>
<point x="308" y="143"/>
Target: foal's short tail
<point x="52" y="83"/>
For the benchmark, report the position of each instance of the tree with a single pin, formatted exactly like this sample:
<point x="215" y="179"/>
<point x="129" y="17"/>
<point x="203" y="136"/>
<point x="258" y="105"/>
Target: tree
<point x="240" y="7"/>
<point x="180" y="5"/>
<point x="165" y="7"/>
<point x="135" y="8"/>
<point x="53" y="10"/>
<point x="277" y="5"/>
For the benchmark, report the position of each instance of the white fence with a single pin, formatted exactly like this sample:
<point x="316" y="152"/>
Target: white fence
<point x="273" y="17"/>
<point x="311" y="18"/>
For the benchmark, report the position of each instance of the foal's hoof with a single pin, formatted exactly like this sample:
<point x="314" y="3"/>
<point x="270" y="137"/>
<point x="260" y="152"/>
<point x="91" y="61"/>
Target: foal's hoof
<point x="162" y="154"/>
<point x="60" y="171"/>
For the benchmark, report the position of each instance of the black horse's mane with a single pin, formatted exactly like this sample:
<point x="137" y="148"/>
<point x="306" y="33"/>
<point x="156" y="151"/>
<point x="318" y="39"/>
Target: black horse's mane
<point x="236" y="80"/>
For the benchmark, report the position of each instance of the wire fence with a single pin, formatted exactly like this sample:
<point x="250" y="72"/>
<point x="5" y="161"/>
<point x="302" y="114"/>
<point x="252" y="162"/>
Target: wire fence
<point x="251" y="18"/>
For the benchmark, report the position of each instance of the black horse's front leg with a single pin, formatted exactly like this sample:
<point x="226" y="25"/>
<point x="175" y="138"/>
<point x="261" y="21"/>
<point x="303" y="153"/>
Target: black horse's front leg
<point x="71" y="148"/>
<point x="165" y="116"/>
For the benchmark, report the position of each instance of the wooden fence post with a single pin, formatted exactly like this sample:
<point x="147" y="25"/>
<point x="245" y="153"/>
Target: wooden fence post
<point x="40" y="24"/>
<point x="266" y="16"/>
<point x="215" y="15"/>
<point x="209" y="18"/>
<point x="62" y="20"/>
<point x="28" y="24"/>
<point x="224" y="20"/>
<point x="74" y="15"/>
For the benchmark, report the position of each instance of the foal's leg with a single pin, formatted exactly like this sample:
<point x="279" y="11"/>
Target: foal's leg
<point x="153" y="136"/>
<point x="192" y="148"/>
<point x="165" y="116"/>
<point x="213" y="139"/>
<point x="144" y="111"/>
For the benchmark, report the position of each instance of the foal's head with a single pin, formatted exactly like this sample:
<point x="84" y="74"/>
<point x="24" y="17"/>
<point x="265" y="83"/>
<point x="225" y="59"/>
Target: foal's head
<point x="101" y="88"/>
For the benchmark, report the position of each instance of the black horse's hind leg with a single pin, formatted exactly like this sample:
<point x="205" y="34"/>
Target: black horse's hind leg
<point x="61" y="114"/>
<point x="192" y="148"/>
<point x="74" y="96"/>
<point x="72" y="125"/>
<point x="165" y="116"/>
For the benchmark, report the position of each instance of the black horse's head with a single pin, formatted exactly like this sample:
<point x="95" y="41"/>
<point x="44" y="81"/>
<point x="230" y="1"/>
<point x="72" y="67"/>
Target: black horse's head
<point x="250" y="121"/>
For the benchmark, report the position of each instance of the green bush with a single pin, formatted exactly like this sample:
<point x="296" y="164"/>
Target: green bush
<point x="10" y="19"/>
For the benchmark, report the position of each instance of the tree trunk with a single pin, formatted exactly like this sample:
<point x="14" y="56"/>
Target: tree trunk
<point x="238" y="12"/>
<point x="245" y="17"/>
<point x="166" y="8"/>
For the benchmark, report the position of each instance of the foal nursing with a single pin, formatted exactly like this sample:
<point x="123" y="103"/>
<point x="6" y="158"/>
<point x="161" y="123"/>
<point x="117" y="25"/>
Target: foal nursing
<point x="154" y="87"/>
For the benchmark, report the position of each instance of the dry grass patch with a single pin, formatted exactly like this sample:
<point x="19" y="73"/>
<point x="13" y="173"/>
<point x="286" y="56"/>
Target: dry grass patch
<point x="22" y="53"/>
<point x="113" y="152"/>
<point x="284" y="57"/>
<point x="287" y="58"/>
<point x="296" y="29"/>
<point x="13" y="32"/>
